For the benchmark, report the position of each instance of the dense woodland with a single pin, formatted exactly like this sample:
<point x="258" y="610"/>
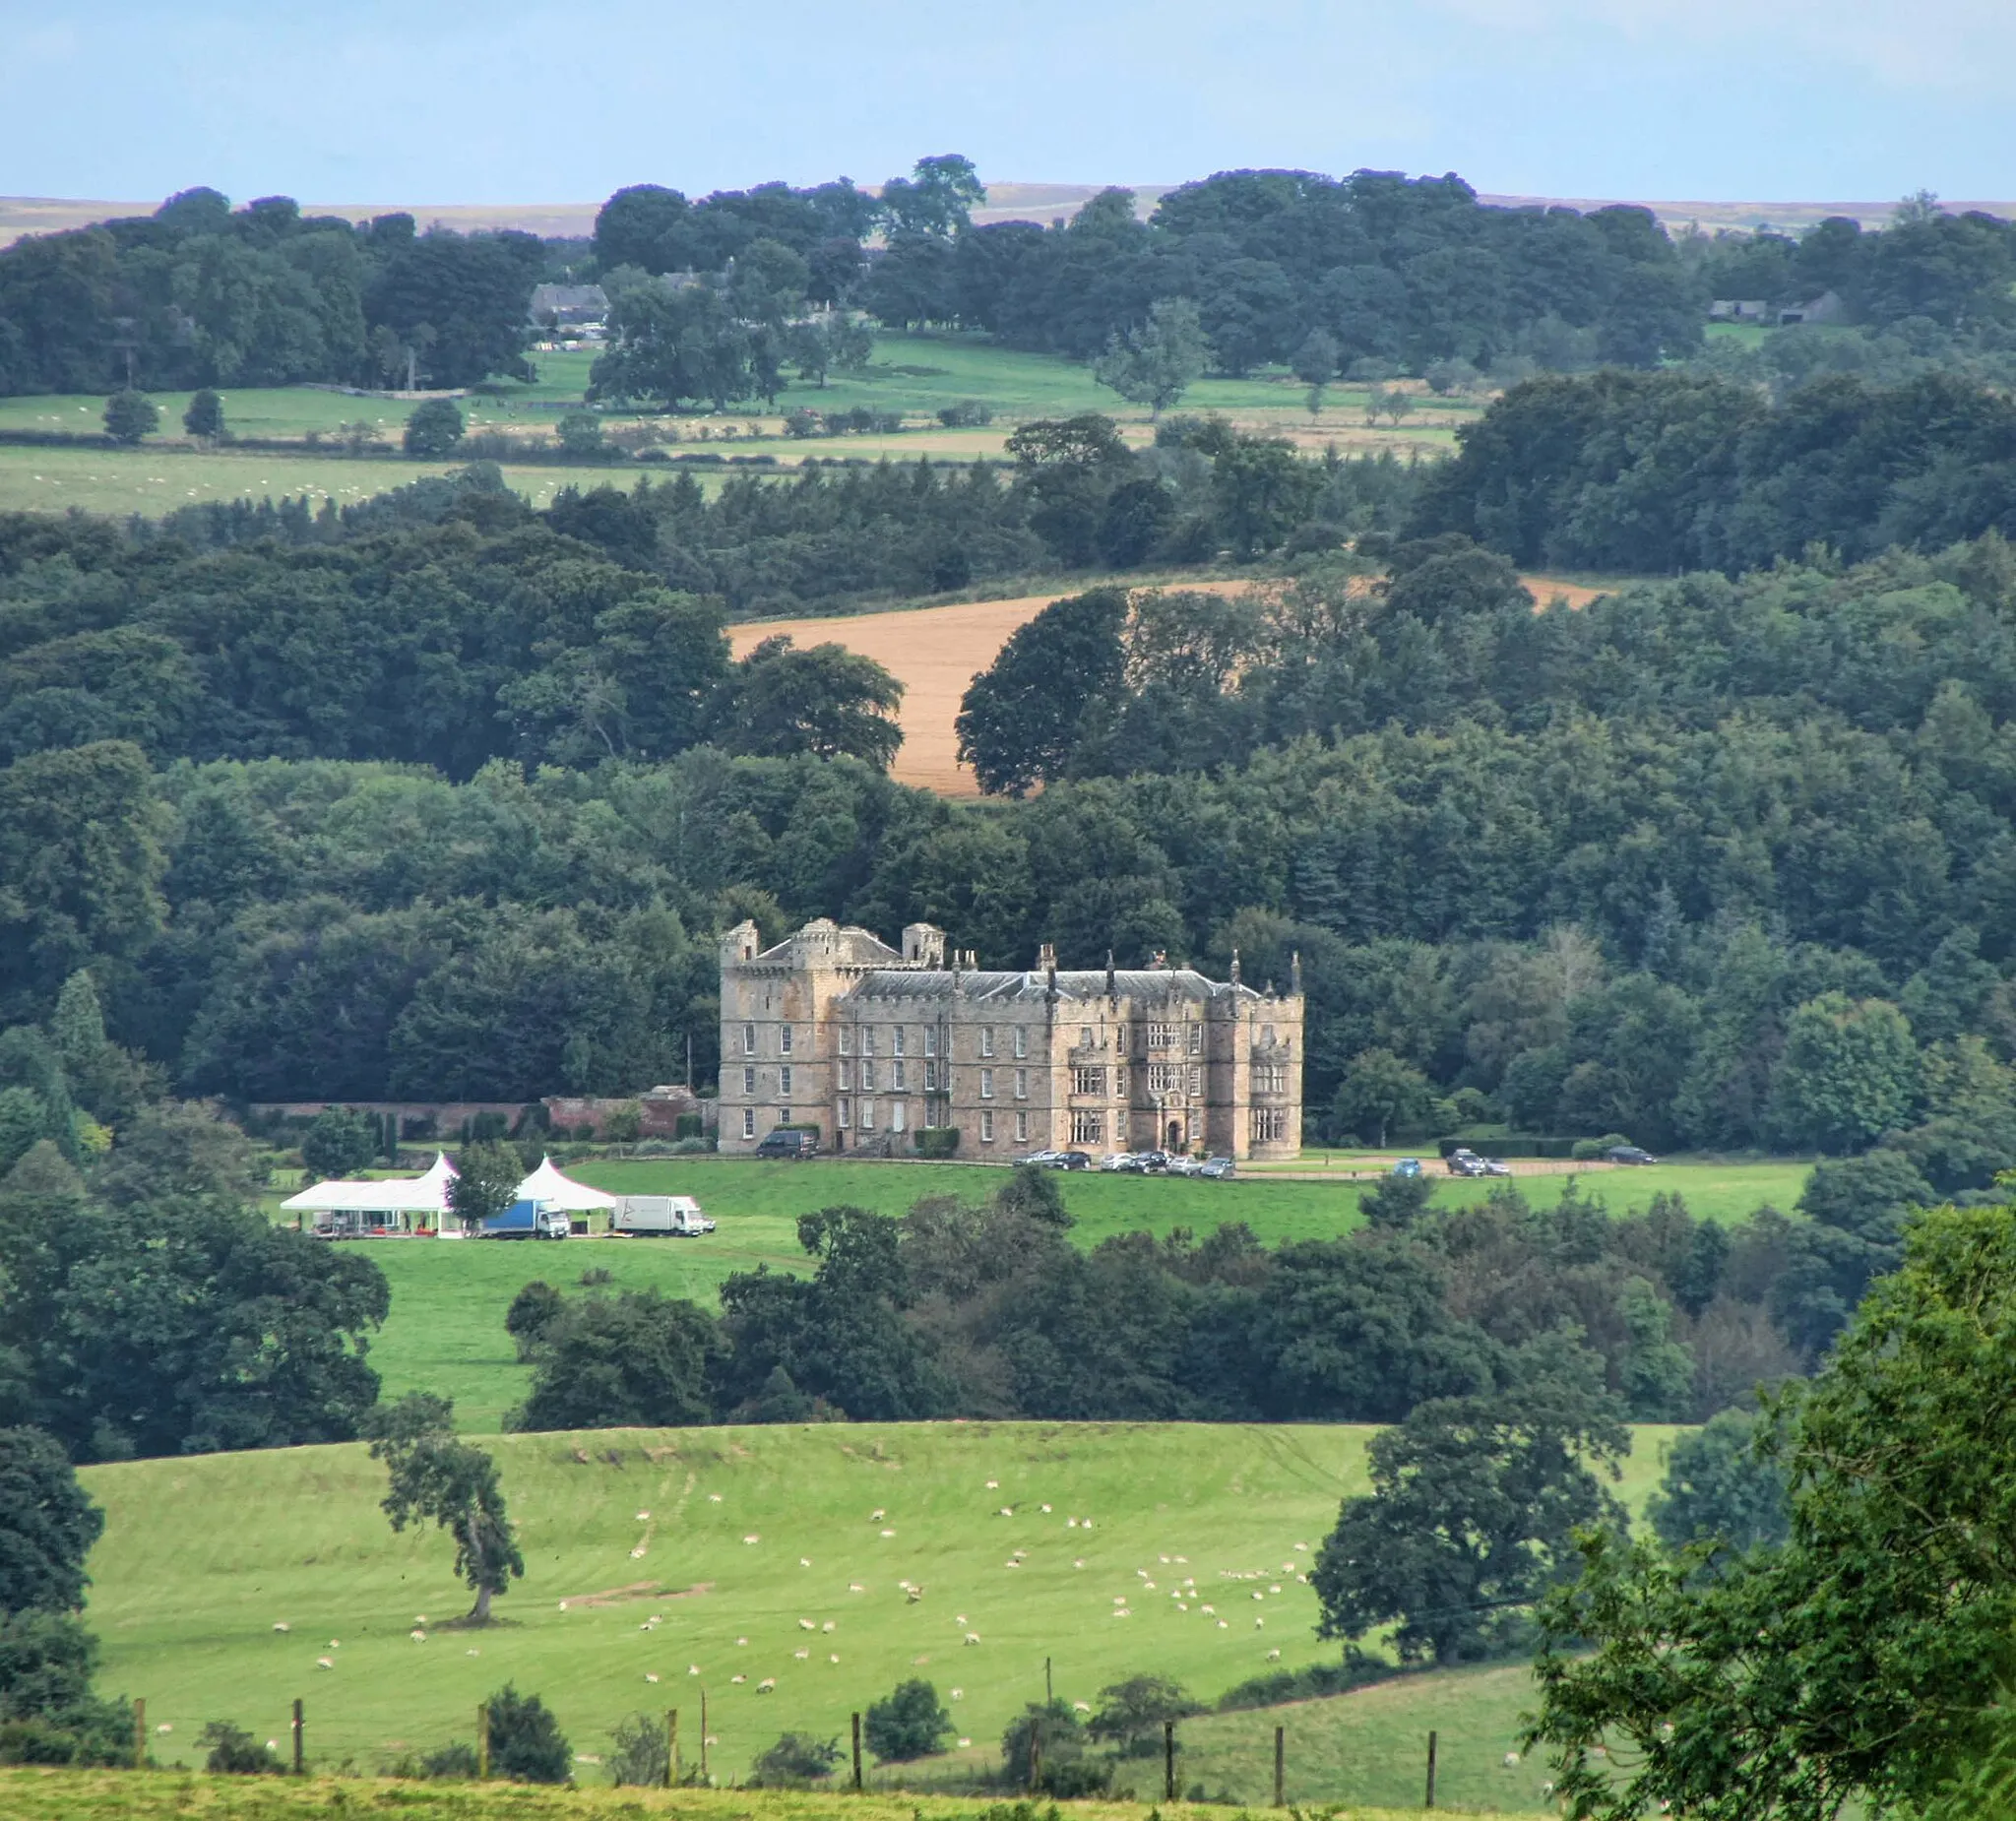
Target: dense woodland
<point x="1371" y="275"/>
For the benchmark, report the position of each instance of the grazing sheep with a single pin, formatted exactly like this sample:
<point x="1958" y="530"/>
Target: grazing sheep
<point x="692" y="1668"/>
<point x="972" y="1637"/>
<point x="323" y="1663"/>
<point x="834" y="1657"/>
<point x="1007" y="1511"/>
<point x="1084" y="1707"/>
<point x="752" y="1538"/>
<point x="281" y="1625"/>
<point x="805" y="1562"/>
<point x="805" y="1624"/>
<point x="994" y="1485"/>
<point x="714" y="1498"/>
<point x="419" y="1637"/>
<point x="649" y="1677"/>
<point x="738" y="1678"/>
<point x="889" y="1532"/>
<point x="803" y="1655"/>
<point x="958" y="1694"/>
<point x="1273" y="1656"/>
<point x="854" y="1586"/>
<point x="167" y="1726"/>
<point x="644" y="1517"/>
<point x="1510" y="1759"/>
<point x="876" y="1516"/>
<point x="830" y="1626"/>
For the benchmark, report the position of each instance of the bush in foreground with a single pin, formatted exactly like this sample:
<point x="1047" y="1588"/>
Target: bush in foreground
<point x="910" y="1722"/>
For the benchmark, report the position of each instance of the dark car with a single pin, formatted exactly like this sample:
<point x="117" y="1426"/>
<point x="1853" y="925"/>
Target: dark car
<point x="1629" y="1154"/>
<point x="788" y="1142"/>
<point x="1465" y="1162"/>
<point x="1074" y="1160"/>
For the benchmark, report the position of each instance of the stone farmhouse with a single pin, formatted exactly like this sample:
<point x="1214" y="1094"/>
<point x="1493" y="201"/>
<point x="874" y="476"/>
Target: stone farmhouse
<point x="834" y="1028"/>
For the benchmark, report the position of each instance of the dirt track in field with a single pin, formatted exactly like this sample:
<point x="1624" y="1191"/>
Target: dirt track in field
<point x="935" y="652"/>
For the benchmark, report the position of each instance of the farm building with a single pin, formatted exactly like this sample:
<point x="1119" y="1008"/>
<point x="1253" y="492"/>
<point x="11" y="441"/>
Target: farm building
<point x="834" y="1028"/>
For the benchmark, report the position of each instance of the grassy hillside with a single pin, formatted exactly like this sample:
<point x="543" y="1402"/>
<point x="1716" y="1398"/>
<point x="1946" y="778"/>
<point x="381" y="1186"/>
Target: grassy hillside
<point x="698" y="1557"/>
<point x="446" y="1332"/>
<point x="102" y="1795"/>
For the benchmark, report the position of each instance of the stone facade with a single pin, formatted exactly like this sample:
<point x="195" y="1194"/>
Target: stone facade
<point x="835" y="1029"/>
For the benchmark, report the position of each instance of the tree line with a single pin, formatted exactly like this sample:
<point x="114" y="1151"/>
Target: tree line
<point x="986" y="1310"/>
<point x="200" y="294"/>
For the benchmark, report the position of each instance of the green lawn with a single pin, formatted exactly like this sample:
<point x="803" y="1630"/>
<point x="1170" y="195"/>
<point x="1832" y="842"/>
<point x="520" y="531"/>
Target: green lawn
<point x="734" y="1541"/>
<point x="445" y="1331"/>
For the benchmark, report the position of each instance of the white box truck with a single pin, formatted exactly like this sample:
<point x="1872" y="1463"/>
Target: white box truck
<point x="676" y="1217"/>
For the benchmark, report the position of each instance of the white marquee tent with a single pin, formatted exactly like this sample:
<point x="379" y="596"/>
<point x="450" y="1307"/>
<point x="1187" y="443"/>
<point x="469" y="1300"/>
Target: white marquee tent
<point x="393" y="1205"/>
<point x="545" y="1187"/>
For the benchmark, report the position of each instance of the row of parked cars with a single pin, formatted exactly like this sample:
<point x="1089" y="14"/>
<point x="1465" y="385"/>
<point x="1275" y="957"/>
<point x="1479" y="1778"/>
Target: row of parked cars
<point x="1463" y="1162"/>
<point x="1136" y="1163"/>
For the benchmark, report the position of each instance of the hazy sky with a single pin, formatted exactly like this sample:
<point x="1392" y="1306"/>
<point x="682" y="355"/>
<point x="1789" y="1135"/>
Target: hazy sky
<point x="517" y="100"/>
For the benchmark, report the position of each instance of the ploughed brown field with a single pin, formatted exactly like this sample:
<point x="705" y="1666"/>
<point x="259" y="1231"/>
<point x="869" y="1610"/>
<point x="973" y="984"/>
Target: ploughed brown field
<point x="935" y="652"/>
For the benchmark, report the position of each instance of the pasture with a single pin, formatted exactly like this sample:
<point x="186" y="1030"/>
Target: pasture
<point x="446" y="1330"/>
<point x="829" y="1562"/>
<point x="913" y="375"/>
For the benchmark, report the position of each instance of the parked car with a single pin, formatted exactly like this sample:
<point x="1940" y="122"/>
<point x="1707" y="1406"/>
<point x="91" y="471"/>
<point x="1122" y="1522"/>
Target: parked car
<point x="1629" y="1154"/>
<point x="1042" y="1159"/>
<point x="789" y="1142"/>
<point x="1116" y="1159"/>
<point x="1076" y="1159"/>
<point x="1408" y="1166"/>
<point x="1216" y="1170"/>
<point x="1463" y="1162"/>
<point x="1496" y="1167"/>
<point x="1185" y="1166"/>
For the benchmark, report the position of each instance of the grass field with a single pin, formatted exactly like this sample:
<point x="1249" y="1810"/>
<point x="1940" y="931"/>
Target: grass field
<point x="446" y="1330"/>
<point x="913" y="375"/>
<point x="113" y="1796"/>
<point x="698" y="1557"/>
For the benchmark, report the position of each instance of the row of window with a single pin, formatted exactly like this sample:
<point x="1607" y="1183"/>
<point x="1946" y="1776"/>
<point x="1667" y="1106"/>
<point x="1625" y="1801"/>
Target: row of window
<point x="1155" y="1037"/>
<point x="1164" y="1077"/>
<point x="1270" y="1124"/>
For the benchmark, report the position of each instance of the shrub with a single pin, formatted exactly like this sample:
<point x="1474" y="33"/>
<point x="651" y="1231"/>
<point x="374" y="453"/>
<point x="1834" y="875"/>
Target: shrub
<point x="527" y="1744"/>
<point x="1063" y="1769"/>
<point x="639" y="1751"/>
<point x="235" y="1752"/>
<point x="938" y="1140"/>
<point x="910" y="1722"/>
<point x="967" y="415"/>
<point x="205" y="417"/>
<point x="795" y="1760"/>
<point x="532" y="1312"/>
<point x="623" y="1124"/>
<point x="803" y="422"/>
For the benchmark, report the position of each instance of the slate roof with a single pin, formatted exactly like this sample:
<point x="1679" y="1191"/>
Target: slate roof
<point x="1167" y="984"/>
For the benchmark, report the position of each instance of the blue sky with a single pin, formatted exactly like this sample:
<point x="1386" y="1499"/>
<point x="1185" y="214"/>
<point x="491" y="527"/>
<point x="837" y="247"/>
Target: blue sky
<point x="512" y="101"/>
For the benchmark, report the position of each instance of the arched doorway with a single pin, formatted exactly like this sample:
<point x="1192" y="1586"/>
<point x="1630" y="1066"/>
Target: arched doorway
<point x="1174" y="1136"/>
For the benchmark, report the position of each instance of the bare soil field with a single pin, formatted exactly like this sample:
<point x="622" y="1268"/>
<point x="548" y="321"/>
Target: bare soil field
<point x="935" y="652"/>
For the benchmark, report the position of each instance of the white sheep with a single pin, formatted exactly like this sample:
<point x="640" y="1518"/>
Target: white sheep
<point x="803" y="1655"/>
<point x="805" y="1624"/>
<point x="738" y="1678"/>
<point x="419" y="1637"/>
<point x="280" y="1625"/>
<point x="1509" y="1760"/>
<point x="876" y="1516"/>
<point x="644" y="1517"/>
<point x="1084" y="1707"/>
<point x="854" y="1586"/>
<point x="714" y="1498"/>
<point x="833" y="1657"/>
<point x="752" y="1538"/>
<point x="323" y="1663"/>
<point x="692" y="1668"/>
<point x="1273" y="1656"/>
<point x="889" y="1532"/>
<point x="972" y="1637"/>
<point x="958" y="1694"/>
<point x="649" y="1677"/>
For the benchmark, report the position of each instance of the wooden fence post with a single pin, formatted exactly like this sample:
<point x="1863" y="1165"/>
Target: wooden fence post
<point x="857" y="1754"/>
<point x="140" y="1732"/>
<point x="483" y="1741"/>
<point x="1169" y="1760"/>
<point x="1431" y="1803"/>
<point x="671" y="1747"/>
<point x="703" y="1736"/>
<point x="1036" y="1755"/>
<point x="1280" y="1767"/>
<point x="300" y="1765"/>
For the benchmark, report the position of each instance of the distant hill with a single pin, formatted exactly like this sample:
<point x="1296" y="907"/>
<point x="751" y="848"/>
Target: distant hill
<point x="1006" y="202"/>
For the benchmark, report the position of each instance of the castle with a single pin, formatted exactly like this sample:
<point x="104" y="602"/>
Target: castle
<point x="833" y="1028"/>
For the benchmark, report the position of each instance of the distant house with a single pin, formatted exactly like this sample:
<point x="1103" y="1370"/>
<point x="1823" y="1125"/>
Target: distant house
<point x="567" y="306"/>
<point x="1825" y="308"/>
<point x="1739" y="311"/>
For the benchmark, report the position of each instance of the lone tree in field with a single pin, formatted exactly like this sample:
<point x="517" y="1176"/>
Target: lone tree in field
<point x="1315" y="366"/>
<point x="1154" y="366"/>
<point x="487" y="1183"/>
<point x="205" y="417"/>
<point x="436" y="1476"/>
<point x="130" y="416"/>
<point x="434" y="428"/>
